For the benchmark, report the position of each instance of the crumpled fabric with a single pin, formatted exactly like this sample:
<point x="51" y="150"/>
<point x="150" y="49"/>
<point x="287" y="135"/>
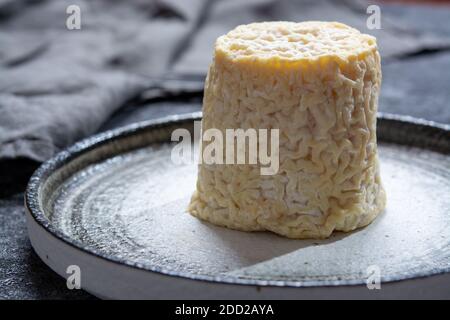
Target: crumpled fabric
<point x="58" y="85"/>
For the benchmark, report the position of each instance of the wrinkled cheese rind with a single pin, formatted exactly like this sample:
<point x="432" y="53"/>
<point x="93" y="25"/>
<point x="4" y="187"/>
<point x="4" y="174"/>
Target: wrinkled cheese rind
<point x="318" y="83"/>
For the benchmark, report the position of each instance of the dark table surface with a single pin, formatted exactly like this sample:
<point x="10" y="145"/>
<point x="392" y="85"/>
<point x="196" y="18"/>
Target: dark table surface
<point x="418" y="85"/>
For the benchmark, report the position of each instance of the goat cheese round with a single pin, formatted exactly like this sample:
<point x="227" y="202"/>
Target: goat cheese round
<point x="318" y="84"/>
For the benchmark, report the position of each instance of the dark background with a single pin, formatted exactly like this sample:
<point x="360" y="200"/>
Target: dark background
<point x="138" y="60"/>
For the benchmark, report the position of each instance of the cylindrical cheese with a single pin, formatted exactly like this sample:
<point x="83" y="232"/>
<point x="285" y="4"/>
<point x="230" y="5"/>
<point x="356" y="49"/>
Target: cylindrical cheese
<point x="318" y="83"/>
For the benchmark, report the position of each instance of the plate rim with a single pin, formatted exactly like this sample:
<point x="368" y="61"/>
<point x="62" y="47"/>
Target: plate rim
<point x="36" y="212"/>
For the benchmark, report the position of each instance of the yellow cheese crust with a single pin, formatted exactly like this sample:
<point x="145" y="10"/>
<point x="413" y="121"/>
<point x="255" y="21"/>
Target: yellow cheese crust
<point x="318" y="83"/>
<point x="288" y="43"/>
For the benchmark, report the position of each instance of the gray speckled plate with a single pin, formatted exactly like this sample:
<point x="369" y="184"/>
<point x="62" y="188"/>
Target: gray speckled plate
<point x="114" y="205"/>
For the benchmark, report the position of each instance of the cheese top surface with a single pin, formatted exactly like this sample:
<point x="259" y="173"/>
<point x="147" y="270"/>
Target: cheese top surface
<point x="291" y="42"/>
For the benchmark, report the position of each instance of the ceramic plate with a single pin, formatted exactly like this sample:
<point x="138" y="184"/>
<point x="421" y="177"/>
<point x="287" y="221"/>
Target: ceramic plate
<point x="114" y="205"/>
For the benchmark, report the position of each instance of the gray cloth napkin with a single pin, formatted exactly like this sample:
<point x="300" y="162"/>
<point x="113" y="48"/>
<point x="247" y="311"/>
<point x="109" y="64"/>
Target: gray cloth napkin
<point x="58" y="85"/>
